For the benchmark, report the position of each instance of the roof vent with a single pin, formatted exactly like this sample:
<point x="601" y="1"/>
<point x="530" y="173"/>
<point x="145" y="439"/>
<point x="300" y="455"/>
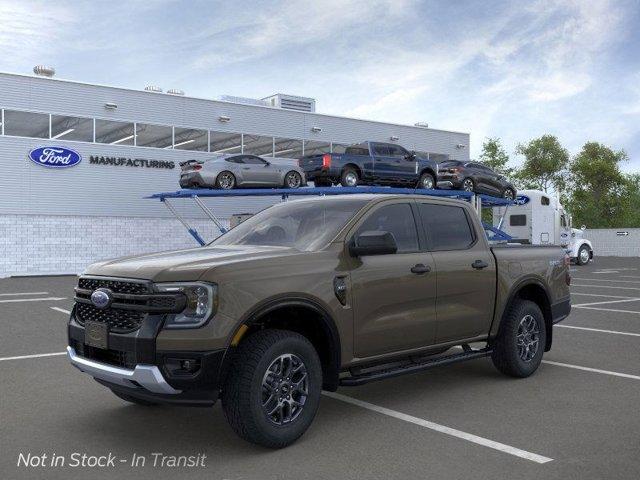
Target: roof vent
<point x="292" y="102"/>
<point x="175" y="91"/>
<point x="44" y="71"/>
<point x="244" y="100"/>
<point x="153" y="88"/>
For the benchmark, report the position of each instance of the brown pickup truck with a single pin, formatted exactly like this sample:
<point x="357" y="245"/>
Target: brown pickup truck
<point x="312" y="294"/>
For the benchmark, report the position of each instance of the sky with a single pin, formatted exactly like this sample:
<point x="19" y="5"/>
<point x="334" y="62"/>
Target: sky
<point x="513" y="70"/>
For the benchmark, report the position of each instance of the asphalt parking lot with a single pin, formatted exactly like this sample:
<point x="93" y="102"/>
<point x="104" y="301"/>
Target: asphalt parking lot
<point x="577" y="417"/>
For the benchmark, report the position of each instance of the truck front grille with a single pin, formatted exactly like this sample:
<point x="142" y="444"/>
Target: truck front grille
<point x="119" y="320"/>
<point x="116" y="286"/>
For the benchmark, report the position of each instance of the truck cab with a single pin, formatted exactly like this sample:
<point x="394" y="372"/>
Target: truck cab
<point x="538" y="218"/>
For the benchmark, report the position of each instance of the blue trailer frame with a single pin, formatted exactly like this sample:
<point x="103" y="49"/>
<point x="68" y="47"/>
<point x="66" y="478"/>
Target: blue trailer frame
<point x="479" y="201"/>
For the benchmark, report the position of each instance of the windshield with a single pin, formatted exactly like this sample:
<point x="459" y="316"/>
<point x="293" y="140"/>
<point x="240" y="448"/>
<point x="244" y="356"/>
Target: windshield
<point x="304" y="225"/>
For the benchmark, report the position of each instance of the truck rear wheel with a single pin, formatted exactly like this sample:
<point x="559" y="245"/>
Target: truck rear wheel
<point x="349" y="177"/>
<point x="272" y="390"/>
<point x="518" y="349"/>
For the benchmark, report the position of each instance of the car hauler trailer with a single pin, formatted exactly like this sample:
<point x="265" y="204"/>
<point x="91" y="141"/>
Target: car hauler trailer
<point x="478" y="201"/>
<point x="537" y="218"/>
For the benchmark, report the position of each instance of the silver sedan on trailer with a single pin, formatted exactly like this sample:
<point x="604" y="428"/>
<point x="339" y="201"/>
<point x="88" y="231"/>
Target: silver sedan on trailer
<point x="241" y="170"/>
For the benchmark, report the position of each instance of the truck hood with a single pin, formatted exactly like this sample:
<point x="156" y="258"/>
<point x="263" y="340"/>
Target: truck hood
<point x="183" y="265"/>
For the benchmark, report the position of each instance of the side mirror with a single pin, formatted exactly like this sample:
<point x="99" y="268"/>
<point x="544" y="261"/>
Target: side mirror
<point x="373" y="242"/>
<point x="410" y="156"/>
<point x="267" y="164"/>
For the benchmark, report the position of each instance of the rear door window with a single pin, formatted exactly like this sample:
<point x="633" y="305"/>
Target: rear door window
<point x="446" y="227"/>
<point x="398" y="220"/>
<point x="381" y="150"/>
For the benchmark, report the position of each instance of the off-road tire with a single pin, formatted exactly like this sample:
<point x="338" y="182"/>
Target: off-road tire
<point x="505" y="356"/>
<point x="424" y="177"/>
<point x="242" y="390"/>
<point x="344" y="177"/>
<point x="130" y="399"/>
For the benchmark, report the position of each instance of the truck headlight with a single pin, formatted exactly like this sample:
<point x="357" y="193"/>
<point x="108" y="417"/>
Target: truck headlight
<point x="201" y="305"/>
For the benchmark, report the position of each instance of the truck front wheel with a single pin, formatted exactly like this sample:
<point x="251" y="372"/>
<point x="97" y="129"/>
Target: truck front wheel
<point x="272" y="390"/>
<point x="583" y="255"/>
<point x="518" y="349"/>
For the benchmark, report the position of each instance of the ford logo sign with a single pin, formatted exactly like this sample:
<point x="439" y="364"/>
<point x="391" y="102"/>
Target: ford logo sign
<point x="522" y="200"/>
<point x="55" y="157"/>
<point x="102" y="298"/>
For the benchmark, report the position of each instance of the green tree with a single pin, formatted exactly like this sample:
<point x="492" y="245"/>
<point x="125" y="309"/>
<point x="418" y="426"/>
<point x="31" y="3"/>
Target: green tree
<point x="545" y="164"/>
<point x="495" y="156"/>
<point x="632" y="214"/>
<point x="600" y="194"/>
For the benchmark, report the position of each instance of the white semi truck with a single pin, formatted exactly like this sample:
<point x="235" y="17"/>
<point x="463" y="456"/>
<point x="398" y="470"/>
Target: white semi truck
<point x="538" y="218"/>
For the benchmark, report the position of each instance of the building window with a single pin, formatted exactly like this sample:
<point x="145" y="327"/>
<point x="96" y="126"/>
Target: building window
<point x="287" y="148"/>
<point x="26" y="124"/>
<point x="157" y="136"/>
<point x="224" y="142"/>
<point x="72" y="128"/>
<point x="312" y="147"/>
<point x="258" y="145"/>
<point x="114" y="133"/>
<point x="517" y="220"/>
<point x="190" y="139"/>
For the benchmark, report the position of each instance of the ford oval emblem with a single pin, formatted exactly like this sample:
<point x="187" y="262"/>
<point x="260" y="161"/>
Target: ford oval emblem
<point x="55" y="157"/>
<point x="102" y="298"/>
<point x="522" y="200"/>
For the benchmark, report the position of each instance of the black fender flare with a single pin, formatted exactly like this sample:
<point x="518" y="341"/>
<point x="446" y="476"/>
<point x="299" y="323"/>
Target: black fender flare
<point x="515" y="290"/>
<point x="332" y="370"/>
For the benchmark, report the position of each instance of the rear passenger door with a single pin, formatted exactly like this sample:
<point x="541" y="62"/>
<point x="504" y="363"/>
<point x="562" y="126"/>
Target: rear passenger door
<point x="466" y="271"/>
<point x="383" y="162"/>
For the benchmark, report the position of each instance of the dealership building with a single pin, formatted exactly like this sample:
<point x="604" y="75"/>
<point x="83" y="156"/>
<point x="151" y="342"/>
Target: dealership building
<point x="127" y="144"/>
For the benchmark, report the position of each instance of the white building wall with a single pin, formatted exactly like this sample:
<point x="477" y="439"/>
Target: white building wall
<point x="611" y="242"/>
<point x="51" y="244"/>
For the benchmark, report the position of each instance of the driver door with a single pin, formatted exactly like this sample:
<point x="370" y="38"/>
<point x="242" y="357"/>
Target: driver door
<point x="258" y="171"/>
<point x="394" y="307"/>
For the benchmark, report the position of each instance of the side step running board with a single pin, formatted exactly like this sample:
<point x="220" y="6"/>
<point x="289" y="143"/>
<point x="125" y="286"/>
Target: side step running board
<point x="383" y="373"/>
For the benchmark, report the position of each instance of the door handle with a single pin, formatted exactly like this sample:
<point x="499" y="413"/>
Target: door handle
<point x="479" y="264"/>
<point x="420" y="269"/>
<point x="246" y="168"/>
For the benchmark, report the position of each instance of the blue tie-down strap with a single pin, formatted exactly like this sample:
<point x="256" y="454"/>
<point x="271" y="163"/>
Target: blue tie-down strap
<point x="498" y="235"/>
<point x="197" y="236"/>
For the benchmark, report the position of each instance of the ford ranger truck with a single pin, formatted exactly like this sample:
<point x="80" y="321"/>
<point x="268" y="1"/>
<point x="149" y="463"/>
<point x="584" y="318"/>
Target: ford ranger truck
<point x="371" y="163"/>
<point x="315" y="294"/>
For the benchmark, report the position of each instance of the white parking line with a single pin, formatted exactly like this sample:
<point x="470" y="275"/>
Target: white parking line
<point x="607" y="286"/>
<point x="598" y="295"/>
<point x="23" y="293"/>
<point x="61" y="310"/>
<point x="632" y="299"/>
<point x="605" y="280"/>
<point x="23" y="357"/>
<point x="629" y="276"/>
<point x="15" y="300"/>
<point x="594" y="370"/>
<point x="485" y="442"/>
<point x="607" y="309"/>
<point x="599" y="330"/>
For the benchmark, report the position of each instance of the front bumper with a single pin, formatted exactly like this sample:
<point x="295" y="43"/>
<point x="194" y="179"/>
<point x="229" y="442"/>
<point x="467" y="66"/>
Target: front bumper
<point x="453" y="182"/>
<point x="148" y="377"/>
<point x="134" y="366"/>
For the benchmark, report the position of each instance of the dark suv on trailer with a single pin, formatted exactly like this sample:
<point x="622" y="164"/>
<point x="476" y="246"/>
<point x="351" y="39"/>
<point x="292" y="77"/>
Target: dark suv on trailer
<point x="475" y="177"/>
